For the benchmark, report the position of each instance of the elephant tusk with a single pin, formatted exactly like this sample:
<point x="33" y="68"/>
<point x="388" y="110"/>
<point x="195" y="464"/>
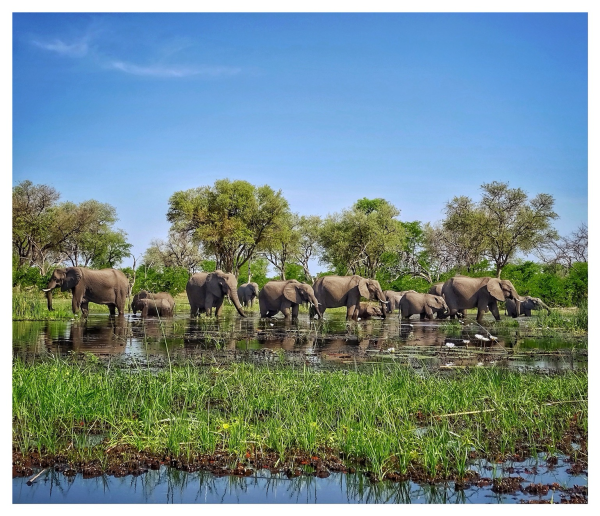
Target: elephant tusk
<point x="46" y="289"/>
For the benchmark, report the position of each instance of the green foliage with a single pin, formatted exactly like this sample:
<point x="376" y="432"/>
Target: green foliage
<point x="168" y="279"/>
<point x="576" y="284"/>
<point x="357" y="240"/>
<point x="408" y="283"/>
<point x="502" y="224"/>
<point x="232" y="219"/>
<point x="295" y="271"/>
<point x="258" y="271"/>
<point x="33" y="306"/>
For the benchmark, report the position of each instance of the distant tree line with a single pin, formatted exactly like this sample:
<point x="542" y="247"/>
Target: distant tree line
<point x="241" y="228"/>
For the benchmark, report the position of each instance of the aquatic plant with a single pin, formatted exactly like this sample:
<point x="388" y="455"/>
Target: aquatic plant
<point x="390" y="419"/>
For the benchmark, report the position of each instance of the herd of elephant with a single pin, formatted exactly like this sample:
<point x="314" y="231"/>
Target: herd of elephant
<point x="207" y="290"/>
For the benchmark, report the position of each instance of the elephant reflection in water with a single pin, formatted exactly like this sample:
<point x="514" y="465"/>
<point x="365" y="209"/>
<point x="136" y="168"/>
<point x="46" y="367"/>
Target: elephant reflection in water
<point x="106" y="337"/>
<point x="291" y="344"/>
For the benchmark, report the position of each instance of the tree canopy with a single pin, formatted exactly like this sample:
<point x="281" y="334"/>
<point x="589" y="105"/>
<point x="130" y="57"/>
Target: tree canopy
<point x="232" y="220"/>
<point x="357" y="240"/>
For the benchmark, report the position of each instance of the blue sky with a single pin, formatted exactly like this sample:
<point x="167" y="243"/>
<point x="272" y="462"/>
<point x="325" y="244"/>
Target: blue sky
<point x="329" y="108"/>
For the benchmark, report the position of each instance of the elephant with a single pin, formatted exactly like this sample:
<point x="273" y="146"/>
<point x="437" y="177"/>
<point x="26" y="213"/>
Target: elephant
<point x="104" y="287"/>
<point x="280" y="296"/>
<point x="527" y="305"/>
<point x="335" y="291"/>
<point x="207" y="289"/>
<point x="246" y="293"/>
<point x="393" y="299"/>
<point x="436" y="290"/>
<point x="425" y="305"/>
<point x="462" y="292"/>
<point x="367" y="311"/>
<point x="157" y="307"/>
<point x="136" y="304"/>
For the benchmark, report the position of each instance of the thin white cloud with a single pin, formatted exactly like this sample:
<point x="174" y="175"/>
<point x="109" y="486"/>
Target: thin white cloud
<point x="172" y="71"/>
<point x="77" y="49"/>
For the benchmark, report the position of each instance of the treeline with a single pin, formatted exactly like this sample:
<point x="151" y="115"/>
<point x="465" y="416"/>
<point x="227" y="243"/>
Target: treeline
<point x="241" y="228"/>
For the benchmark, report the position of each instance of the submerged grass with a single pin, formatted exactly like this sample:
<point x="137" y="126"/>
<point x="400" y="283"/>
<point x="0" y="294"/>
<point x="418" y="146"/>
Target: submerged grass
<point x="390" y="418"/>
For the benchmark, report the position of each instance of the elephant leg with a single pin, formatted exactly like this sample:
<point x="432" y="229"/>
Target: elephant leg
<point x="111" y="308"/>
<point x="208" y="304"/>
<point x="493" y="306"/>
<point x="219" y="307"/>
<point x="295" y="309"/>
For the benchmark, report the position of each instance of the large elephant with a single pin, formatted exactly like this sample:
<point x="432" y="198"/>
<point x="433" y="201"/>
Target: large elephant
<point x="206" y="290"/>
<point x="104" y="287"/>
<point x="425" y="305"/>
<point x="393" y="299"/>
<point x="367" y="311"/>
<point x="462" y="293"/>
<point x="246" y="293"/>
<point x="155" y="307"/>
<point x="335" y="291"/>
<point x="280" y="296"/>
<point x="527" y="305"/>
<point x="137" y="305"/>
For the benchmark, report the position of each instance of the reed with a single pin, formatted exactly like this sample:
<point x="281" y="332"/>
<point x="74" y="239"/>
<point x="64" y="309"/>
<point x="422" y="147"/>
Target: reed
<point x="390" y="418"/>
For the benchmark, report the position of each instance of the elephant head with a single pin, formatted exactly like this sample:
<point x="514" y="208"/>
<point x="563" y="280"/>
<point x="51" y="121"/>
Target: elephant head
<point x="221" y="284"/>
<point x="537" y="304"/>
<point x="66" y="279"/>
<point x="301" y="293"/>
<point x="437" y="303"/>
<point x="370" y="289"/>
<point x="502" y="290"/>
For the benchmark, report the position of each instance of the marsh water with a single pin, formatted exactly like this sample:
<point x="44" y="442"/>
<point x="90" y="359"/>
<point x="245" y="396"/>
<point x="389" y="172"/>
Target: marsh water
<point x="173" y="486"/>
<point x="322" y="344"/>
<point x="329" y="343"/>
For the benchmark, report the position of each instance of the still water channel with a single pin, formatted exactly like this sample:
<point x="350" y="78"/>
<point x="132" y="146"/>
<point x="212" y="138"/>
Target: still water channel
<point x="332" y="343"/>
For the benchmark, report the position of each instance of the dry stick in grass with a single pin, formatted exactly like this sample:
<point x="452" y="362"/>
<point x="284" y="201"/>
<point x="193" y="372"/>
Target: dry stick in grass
<point x="32" y="479"/>
<point x="464" y="413"/>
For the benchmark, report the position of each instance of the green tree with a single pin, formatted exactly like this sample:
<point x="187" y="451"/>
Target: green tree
<point x="232" y="220"/>
<point x="357" y="241"/>
<point x="504" y="223"/>
<point x="258" y="272"/>
<point x="32" y="220"/>
<point x="178" y="251"/>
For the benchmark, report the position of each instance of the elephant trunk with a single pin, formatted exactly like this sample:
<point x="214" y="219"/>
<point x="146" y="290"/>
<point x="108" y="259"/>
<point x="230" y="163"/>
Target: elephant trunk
<point x="236" y="302"/>
<point x="315" y="303"/>
<point x="48" y="292"/>
<point x="545" y="307"/>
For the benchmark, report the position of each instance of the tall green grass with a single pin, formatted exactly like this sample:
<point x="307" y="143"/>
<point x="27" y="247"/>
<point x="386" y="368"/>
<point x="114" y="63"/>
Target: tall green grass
<point x="34" y="307"/>
<point x="392" y="418"/>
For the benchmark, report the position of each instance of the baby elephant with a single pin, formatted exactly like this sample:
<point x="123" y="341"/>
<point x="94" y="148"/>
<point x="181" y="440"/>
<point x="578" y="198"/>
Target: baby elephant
<point x="155" y="307"/>
<point x="393" y="299"/>
<point x="137" y="305"/>
<point x="367" y="311"/>
<point x="425" y="305"/>
<point x="525" y="307"/>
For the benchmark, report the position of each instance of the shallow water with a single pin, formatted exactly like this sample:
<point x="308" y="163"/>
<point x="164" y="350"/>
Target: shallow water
<point x="172" y="486"/>
<point x="329" y="343"/>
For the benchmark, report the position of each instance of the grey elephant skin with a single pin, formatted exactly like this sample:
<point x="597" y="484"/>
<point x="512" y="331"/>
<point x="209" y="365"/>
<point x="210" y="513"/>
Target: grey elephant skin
<point x="281" y="296"/>
<point x="104" y="287"/>
<point x="137" y="305"/>
<point x="425" y="305"/>
<point x="526" y="306"/>
<point x="207" y="290"/>
<point x="393" y="299"/>
<point x="462" y="293"/>
<point x="247" y="292"/>
<point x="155" y="307"/>
<point x="336" y="291"/>
<point x="367" y="311"/>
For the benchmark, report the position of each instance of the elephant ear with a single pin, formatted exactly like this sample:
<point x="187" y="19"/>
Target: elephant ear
<point x="495" y="289"/>
<point x="363" y="290"/>
<point x="290" y="292"/>
<point x="72" y="278"/>
<point x="213" y="284"/>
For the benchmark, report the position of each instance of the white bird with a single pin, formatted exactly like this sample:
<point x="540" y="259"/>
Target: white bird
<point x="466" y="342"/>
<point x="450" y="344"/>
